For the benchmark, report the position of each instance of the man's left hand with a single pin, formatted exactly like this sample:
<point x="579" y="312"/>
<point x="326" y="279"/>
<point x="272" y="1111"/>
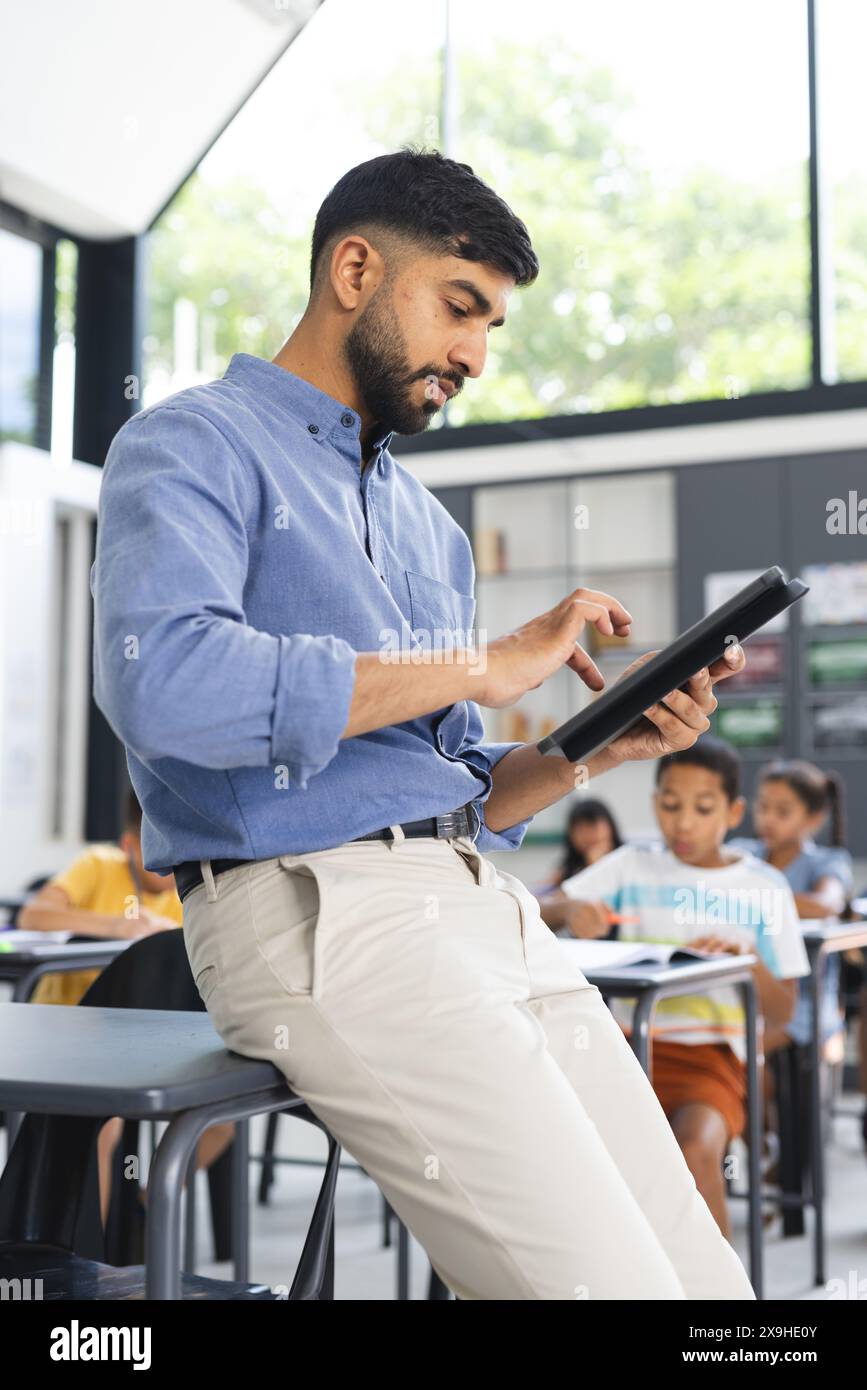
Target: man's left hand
<point x="676" y="721"/>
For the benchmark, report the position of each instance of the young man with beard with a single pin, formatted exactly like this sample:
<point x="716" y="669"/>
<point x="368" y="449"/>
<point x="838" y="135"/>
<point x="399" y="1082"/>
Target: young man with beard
<point x="327" y="810"/>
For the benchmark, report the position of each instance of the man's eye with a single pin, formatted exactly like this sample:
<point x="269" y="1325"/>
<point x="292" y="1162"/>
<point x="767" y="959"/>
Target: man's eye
<point x="458" y="313"/>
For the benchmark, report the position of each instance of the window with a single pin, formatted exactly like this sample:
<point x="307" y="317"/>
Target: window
<point x="841" y="38"/>
<point x="674" y="243"/>
<point x="63" y="386"/>
<point x="20" y="319"/>
<point x="229" y="259"/>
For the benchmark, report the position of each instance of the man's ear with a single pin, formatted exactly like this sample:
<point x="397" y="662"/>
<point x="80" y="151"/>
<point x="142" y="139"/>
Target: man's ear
<point x="736" y="811"/>
<point x="126" y="842"/>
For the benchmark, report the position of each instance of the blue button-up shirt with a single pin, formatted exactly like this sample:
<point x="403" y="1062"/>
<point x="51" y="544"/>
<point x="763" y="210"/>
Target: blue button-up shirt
<point x="243" y="558"/>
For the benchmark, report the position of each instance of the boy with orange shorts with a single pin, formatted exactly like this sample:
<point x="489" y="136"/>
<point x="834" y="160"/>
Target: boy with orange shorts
<point x="693" y="891"/>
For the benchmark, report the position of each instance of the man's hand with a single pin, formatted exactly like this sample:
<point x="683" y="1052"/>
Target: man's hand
<point x="523" y="659"/>
<point x="677" y="720"/>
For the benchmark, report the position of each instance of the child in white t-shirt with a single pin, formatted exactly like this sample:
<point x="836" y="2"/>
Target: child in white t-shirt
<point x="694" y="891"/>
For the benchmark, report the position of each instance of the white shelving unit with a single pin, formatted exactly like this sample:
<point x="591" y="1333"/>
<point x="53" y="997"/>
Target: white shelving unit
<point x="536" y="542"/>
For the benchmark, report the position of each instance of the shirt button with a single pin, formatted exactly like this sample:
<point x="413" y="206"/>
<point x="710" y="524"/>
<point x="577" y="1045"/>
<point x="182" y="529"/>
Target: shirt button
<point x="314" y="429"/>
<point x="347" y="420"/>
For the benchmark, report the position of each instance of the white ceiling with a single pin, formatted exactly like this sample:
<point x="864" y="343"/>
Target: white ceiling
<point x="106" y="105"/>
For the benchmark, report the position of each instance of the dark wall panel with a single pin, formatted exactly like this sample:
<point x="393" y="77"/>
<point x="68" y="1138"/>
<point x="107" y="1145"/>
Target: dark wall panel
<point x="730" y="516"/>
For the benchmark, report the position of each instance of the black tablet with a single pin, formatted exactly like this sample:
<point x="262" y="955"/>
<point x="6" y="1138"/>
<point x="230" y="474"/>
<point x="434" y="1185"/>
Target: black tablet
<point x="622" y="706"/>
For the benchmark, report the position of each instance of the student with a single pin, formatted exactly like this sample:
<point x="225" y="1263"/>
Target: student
<point x="694" y="891"/>
<point x="591" y="831"/>
<point x="107" y="892"/>
<point x="792" y="803"/>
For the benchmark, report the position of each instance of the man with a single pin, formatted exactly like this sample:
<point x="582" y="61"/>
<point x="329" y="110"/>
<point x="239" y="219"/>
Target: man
<point x="326" y="809"/>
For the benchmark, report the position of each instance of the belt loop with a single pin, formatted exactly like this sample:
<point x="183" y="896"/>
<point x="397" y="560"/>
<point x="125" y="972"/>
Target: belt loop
<point x="210" y="881"/>
<point x="397" y="836"/>
<point x="478" y="817"/>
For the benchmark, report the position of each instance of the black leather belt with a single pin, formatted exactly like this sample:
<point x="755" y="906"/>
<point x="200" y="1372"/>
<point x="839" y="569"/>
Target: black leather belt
<point x="452" y="825"/>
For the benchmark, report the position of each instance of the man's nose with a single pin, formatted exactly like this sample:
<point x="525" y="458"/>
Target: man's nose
<point x="469" y="358"/>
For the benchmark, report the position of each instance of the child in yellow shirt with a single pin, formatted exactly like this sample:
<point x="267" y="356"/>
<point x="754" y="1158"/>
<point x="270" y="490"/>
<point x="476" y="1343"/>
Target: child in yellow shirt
<point x="106" y="892"/>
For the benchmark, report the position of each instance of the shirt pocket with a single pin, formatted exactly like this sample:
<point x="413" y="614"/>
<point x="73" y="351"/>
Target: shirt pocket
<point x="440" y="611"/>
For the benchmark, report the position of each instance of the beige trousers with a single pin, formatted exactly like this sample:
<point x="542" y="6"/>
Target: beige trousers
<point x="411" y="994"/>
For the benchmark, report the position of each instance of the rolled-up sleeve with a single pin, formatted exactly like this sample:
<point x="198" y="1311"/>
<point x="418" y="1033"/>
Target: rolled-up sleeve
<point x="178" y="672"/>
<point x="483" y="757"/>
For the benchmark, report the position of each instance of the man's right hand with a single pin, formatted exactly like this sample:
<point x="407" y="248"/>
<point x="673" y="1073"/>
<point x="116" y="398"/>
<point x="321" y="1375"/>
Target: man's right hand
<point x="523" y="659"/>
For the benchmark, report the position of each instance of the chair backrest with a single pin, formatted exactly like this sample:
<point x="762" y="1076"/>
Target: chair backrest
<point x="152" y="973"/>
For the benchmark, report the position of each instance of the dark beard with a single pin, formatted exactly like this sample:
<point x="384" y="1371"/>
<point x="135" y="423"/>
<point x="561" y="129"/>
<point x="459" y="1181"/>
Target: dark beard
<point x="375" y="350"/>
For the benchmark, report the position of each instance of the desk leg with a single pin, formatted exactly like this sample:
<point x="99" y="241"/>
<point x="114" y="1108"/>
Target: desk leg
<point x="641" y="1020"/>
<point x="754" y="1132"/>
<point x="163" y="1228"/>
<point x="241" y="1200"/>
<point x="24" y="986"/>
<point x="190" y="1216"/>
<point x="402" y="1262"/>
<point x="817" y="1157"/>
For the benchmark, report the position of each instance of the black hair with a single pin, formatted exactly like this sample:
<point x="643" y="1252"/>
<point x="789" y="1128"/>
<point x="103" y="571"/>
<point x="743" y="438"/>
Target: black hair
<point x="714" y="755"/>
<point x="585" y="810"/>
<point x="419" y="197"/>
<point x="132" y="813"/>
<point x="817" y="790"/>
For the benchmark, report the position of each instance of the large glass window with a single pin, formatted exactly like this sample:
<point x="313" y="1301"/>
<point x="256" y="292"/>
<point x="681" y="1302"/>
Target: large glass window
<point x="63" y="380"/>
<point x="20" y="313"/>
<point x="229" y="259"/>
<point x="659" y="155"/>
<point x="841" y="40"/>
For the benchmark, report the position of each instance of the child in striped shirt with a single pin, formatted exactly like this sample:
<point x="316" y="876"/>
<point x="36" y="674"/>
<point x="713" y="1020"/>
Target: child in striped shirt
<point x="694" y="891"/>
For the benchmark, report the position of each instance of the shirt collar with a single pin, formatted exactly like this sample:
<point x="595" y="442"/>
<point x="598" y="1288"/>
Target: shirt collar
<point x="325" y="417"/>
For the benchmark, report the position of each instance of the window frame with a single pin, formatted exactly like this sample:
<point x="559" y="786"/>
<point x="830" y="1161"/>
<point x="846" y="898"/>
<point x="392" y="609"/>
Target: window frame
<point x="30" y="228"/>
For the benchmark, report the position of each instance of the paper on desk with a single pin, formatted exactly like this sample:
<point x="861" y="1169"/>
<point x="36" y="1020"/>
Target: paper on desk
<point x="608" y="955"/>
<point x="40" y="938"/>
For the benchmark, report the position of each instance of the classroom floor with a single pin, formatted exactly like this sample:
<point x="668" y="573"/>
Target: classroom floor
<point x="366" y="1270"/>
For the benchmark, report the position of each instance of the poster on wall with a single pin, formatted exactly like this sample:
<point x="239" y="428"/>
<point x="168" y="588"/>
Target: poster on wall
<point x="757" y="724"/>
<point x="765" y="658"/>
<point x="838" y="663"/>
<point x="838" y="594"/>
<point x="839" y="723"/>
<point x="720" y="587"/>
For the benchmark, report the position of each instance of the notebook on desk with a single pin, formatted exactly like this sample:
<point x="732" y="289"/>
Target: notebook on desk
<point x="609" y="955"/>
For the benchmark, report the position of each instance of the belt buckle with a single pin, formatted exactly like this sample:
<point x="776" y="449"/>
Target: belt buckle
<point x="451" y="824"/>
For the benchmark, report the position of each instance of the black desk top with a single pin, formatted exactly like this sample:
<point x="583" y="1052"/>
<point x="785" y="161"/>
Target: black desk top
<point x="140" y="1063"/>
<point x="649" y="976"/>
